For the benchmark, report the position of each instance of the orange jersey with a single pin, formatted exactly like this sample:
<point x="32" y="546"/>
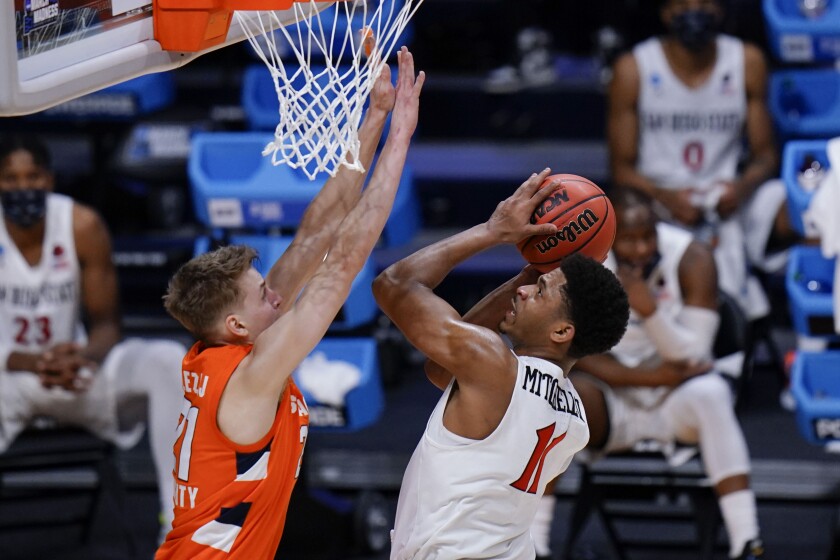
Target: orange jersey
<point x="230" y="499"/>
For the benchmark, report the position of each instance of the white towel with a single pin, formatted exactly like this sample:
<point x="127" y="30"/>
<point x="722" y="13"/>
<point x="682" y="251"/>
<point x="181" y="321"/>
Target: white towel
<point x="823" y="214"/>
<point x="328" y="380"/>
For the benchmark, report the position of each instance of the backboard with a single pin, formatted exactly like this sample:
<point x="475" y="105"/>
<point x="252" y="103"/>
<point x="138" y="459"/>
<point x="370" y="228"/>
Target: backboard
<point x="52" y="51"/>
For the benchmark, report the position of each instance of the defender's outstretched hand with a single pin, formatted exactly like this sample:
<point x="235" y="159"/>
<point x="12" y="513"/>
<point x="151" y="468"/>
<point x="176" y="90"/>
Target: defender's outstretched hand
<point x="511" y="220"/>
<point x="383" y="94"/>
<point x="404" y="119"/>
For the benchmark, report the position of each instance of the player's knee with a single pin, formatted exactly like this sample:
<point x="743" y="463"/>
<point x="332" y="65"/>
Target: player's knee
<point x="165" y="357"/>
<point x="708" y="392"/>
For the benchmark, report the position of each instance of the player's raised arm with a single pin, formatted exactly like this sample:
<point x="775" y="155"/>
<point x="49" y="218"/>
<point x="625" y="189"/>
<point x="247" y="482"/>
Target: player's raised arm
<point x="405" y="293"/>
<point x="489" y="313"/>
<point x="281" y="347"/>
<point x="332" y="204"/>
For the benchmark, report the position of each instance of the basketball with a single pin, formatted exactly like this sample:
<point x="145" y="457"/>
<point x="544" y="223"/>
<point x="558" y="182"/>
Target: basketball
<point x="585" y="222"/>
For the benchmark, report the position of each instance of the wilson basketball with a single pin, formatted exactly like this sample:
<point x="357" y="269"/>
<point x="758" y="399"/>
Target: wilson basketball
<point x="585" y="222"/>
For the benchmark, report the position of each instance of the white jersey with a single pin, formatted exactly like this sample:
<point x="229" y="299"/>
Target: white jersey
<point x="463" y="498"/>
<point x="690" y="137"/>
<point x="635" y="347"/>
<point x="39" y="304"/>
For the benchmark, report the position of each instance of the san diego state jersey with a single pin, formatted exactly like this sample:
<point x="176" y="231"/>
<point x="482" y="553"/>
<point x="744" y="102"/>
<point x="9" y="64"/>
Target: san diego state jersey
<point x="464" y="498"/>
<point x="39" y="304"/>
<point x="690" y="136"/>
<point x="230" y="500"/>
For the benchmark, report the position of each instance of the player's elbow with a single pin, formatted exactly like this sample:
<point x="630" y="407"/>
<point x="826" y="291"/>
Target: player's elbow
<point x="385" y="285"/>
<point x="437" y="374"/>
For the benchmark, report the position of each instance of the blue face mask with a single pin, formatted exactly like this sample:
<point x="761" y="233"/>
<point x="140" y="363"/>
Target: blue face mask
<point x="24" y="207"/>
<point x="694" y="29"/>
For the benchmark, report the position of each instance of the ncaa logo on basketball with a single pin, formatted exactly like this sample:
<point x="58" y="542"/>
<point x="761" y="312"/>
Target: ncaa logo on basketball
<point x="556" y="199"/>
<point x="569" y="232"/>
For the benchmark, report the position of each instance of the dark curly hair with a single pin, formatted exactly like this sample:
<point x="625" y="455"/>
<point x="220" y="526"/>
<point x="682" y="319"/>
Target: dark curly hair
<point x="625" y="198"/>
<point x="597" y="305"/>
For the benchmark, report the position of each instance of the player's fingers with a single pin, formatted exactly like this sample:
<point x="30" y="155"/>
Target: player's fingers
<point x="399" y="69"/>
<point x="67" y="348"/>
<point x="530" y="185"/>
<point x="41" y="365"/>
<point x="544" y="192"/>
<point x="406" y="67"/>
<point x="385" y="74"/>
<point x="541" y="229"/>
<point x="527" y="182"/>
<point x="535" y="185"/>
<point x="543" y="174"/>
<point x="410" y="76"/>
<point x="418" y="83"/>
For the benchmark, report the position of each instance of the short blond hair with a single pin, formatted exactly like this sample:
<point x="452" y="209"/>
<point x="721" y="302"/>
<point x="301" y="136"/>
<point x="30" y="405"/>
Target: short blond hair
<point x="207" y="286"/>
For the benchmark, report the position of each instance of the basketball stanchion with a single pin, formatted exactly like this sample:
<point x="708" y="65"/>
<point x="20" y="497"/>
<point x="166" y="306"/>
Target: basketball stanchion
<point x="336" y="52"/>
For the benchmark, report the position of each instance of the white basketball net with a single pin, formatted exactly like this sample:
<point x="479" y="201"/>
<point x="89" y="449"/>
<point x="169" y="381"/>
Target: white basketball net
<point x="326" y="76"/>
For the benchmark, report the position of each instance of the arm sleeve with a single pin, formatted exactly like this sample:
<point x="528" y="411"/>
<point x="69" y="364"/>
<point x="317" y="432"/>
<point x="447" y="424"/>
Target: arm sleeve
<point x="689" y="336"/>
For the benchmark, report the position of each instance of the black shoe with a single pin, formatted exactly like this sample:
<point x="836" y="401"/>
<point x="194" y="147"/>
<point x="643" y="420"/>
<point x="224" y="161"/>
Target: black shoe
<point x="753" y="550"/>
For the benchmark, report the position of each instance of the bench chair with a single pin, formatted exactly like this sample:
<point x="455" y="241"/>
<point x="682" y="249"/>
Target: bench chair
<point x="60" y="477"/>
<point x="641" y="486"/>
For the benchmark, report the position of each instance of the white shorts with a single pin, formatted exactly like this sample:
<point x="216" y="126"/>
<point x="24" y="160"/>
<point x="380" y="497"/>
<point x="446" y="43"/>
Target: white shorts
<point x="23" y="398"/>
<point x="640" y="414"/>
<point x="698" y="412"/>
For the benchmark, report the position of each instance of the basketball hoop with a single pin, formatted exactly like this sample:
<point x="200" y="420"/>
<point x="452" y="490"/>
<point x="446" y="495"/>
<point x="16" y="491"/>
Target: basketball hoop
<point x="336" y="50"/>
<point x="332" y="63"/>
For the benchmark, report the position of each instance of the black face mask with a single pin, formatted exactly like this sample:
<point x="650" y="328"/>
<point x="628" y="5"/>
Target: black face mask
<point x="695" y="29"/>
<point x="24" y="207"/>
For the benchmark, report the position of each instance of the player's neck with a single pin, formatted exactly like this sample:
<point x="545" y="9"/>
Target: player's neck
<point x="687" y="64"/>
<point x="564" y="362"/>
<point x="29" y="241"/>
